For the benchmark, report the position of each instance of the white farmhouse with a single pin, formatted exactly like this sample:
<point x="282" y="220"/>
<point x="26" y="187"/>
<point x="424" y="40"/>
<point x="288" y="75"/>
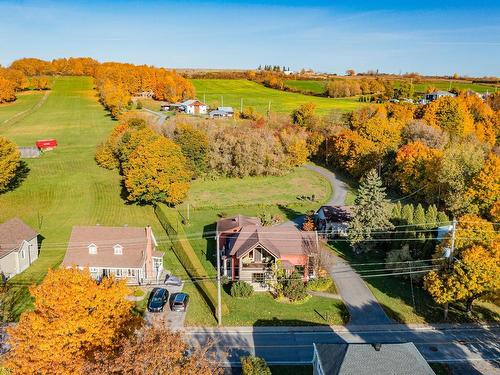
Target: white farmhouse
<point x="18" y="247"/>
<point x="194" y="107"/>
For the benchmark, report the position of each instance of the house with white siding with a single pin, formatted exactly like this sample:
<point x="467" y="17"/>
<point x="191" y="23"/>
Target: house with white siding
<point x="123" y="252"/>
<point x="18" y="247"/>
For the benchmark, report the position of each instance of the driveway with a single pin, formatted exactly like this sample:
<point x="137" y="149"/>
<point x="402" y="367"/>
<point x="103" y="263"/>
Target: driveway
<point x="172" y="319"/>
<point x="339" y="187"/>
<point x="161" y="116"/>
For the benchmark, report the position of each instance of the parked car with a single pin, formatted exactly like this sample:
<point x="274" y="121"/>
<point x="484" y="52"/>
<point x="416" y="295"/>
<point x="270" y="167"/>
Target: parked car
<point x="179" y="302"/>
<point x="173" y="280"/>
<point x="157" y="299"/>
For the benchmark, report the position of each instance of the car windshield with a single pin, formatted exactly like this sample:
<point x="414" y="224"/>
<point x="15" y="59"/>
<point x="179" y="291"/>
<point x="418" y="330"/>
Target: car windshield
<point x="157" y="299"/>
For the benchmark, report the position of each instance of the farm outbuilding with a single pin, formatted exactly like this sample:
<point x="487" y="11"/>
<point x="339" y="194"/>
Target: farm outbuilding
<point x="29" y="152"/>
<point x="46" y="144"/>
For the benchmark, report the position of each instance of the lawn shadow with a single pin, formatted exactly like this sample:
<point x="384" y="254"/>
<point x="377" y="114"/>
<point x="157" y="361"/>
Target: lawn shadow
<point x="292" y="214"/>
<point x="22" y="172"/>
<point x="209" y="236"/>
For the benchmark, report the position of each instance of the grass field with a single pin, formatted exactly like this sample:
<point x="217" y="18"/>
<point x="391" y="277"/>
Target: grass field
<point x="228" y="192"/>
<point x="24" y="101"/>
<point x="232" y="91"/>
<point x="65" y="187"/>
<point x="445" y="85"/>
<point x="316" y="87"/>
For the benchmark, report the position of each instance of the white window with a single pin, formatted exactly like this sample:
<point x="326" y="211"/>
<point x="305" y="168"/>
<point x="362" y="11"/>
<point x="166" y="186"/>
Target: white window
<point x="92" y="249"/>
<point x="118" y="272"/>
<point x="23" y="254"/>
<point x="93" y="270"/>
<point x="118" y="249"/>
<point x="131" y="272"/>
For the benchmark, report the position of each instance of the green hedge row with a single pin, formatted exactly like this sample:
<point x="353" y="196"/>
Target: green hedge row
<point x="169" y="219"/>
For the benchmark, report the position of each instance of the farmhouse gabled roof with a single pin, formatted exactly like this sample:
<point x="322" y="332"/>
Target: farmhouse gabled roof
<point x="132" y="239"/>
<point x="278" y="240"/>
<point x="238" y="221"/>
<point x="365" y="359"/>
<point x="12" y="234"/>
<point x="191" y="102"/>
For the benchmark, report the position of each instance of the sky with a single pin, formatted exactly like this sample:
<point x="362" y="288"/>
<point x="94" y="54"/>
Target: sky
<point x="430" y="37"/>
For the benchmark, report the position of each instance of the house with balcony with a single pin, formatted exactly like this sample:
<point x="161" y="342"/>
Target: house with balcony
<point x="251" y="252"/>
<point x="125" y="252"/>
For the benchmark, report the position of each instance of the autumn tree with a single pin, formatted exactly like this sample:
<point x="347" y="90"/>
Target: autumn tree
<point x="450" y="114"/>
<point x="194" y="144"/>
<point x="350" y="72"/>
<point x="153" y="350"/>
<point x="10" y="159"/>
<point x="419" y="130"/>
<point x="252" y="365"/>
<point x="484" y="191"/>
<point x="40" y="83"/>
<point x="304" y="115"/>
<point x="371" y="212"/>
<point x="114" y="97"/>
<point x="157" y="172"/>
<point x="73" y="317"/>
<point x="7" y="90"/>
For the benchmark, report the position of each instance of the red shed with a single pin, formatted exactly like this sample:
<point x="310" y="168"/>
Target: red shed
<point x="46" y="144"/>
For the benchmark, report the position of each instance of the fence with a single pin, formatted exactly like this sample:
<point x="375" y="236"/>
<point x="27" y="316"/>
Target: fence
<point x="170" y="220"/>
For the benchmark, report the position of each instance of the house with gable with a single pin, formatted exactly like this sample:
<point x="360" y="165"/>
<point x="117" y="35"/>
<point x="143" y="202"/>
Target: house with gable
<point x="125" y="252"/>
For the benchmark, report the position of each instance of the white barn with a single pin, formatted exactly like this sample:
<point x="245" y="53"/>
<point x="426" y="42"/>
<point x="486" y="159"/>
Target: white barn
<point x="194" y="107"/>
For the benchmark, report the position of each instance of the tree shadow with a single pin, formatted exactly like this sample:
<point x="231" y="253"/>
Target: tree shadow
<point x="290" y="213"/>
<point x="22" y="172"/>
<point x="211" y="243"/>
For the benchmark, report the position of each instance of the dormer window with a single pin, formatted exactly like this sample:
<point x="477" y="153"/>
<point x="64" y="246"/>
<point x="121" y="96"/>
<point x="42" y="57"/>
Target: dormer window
<point x="92" y="249"/>
<point x="118" y="249"/>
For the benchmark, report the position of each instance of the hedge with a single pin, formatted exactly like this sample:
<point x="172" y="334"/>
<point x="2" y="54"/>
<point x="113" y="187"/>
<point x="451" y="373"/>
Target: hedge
<point x="169" y="219"/>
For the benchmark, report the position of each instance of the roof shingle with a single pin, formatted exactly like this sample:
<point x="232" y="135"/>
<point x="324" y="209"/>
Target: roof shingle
<point x="12" y="233"/>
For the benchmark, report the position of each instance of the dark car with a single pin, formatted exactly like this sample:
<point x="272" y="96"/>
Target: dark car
<point x="179" y="302"/>
<point x="172" y="280"/>
<point x="157" y="299"/>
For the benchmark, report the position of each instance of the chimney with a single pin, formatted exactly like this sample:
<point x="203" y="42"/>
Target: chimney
<point x="149" y="253"/>
<point x="377" y="346"/>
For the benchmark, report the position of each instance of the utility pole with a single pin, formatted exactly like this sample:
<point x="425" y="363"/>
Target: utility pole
<point x="222" y="100"/>
<point x="269" y="109"/>
<point x="188" y="211"/>
<point x="241" y="106"/>
<point x="452" y="249"/>
<point x="204" y="99"/>
<point x="219" y="307"/>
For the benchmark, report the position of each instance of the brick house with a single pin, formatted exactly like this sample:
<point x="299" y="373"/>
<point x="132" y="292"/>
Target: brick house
<point x="249" y="251"/>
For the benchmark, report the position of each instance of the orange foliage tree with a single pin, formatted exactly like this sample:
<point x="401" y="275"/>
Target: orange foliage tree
<point x="7" y="90"/>
<point x="416" y="168"/>
<point x="157" y="172"/>
<point x="450" y="114"/>
<point x="74" y="316"/>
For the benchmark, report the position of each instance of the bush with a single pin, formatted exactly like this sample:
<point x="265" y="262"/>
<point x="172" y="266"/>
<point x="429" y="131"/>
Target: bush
<point x="252" y="365"/>
<point x="241" y="289"/>
<point x="139" y="104"/>
<point x="320" y="284"/>
<point x="225" y="280"/>
<point x="294" y="287"/>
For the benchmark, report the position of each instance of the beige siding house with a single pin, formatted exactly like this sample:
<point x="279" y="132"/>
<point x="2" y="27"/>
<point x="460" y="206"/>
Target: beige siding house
<point x="18" y="247"/>
<point x="124" y="252"/>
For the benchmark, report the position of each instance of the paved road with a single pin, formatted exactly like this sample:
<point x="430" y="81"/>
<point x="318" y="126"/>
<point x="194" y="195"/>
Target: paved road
<point x="339" y="187"/>
<point x="161" y="116"/>
<point x="293" y="345"/>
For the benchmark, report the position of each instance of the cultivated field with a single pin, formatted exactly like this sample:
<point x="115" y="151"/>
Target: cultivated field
<point x="230" y="93"/>
<point x="316" y="87"/>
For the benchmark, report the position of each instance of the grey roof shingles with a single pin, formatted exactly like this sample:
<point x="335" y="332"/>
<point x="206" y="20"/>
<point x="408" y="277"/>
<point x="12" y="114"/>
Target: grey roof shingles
<point x="363" y="359"/>
<point x="12" y="233"/>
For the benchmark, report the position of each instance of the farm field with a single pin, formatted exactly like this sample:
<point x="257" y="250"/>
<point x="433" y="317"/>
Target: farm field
<point x="421" y="87"/>
<point x="65" y="187"/>
<point x="317" y="87"/>
<point x="24" y="102"/>
<point x="231" y="92"/>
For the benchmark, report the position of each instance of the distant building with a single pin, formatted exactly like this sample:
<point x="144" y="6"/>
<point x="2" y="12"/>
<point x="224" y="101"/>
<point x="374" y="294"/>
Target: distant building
<point x="369" y="359"/>
<point x="18" y="247"/>
<point x="436" y="95"/>
<point x="288" y="72"/>
<point x="194" y="107"/>
<point x="46" y="144"/>
<point x="125" y="252"/>
<point x="333" y="220"/>
<point x="222" y="112"/>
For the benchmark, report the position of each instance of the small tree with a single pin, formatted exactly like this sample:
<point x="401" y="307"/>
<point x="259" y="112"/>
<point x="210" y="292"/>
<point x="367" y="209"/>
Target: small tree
<point x="252" y="365"/>
<point x="194" y="145"/>
<point x="371" y="212"/>
<point x="294" y="287"/>
<point x="241" y="289"/>
<point x="304" y="115"/>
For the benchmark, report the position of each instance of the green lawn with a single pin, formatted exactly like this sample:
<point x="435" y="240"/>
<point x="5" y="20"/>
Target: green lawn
<point x="228" y="192"/>
<point x="232" y="91"/>
<point x="395" y="295"/>
<point x="421" y="87"/>
<point x="262" y="310"/>
<point x="24" y="102"/>
<point x="65" y="187"/>
<point x="316" y="87"/>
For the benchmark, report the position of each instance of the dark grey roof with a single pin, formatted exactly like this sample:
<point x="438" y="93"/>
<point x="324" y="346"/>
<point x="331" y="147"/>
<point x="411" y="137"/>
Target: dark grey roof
<point x="363" y="359"/>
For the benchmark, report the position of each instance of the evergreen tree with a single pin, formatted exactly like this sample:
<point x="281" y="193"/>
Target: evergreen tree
<point x="371" y="212"/>
<point x="419" y="217"/>
<point x="442" y="219"/>
<point x="396" y="212"/>
<point x="431" y="216"/>
<point x="407" y="214"/>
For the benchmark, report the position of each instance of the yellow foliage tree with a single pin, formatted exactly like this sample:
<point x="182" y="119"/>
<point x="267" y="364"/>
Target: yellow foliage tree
<point x="484" y="191"/>
<point x="157" y="172"/>
<point x="450" y="114"/>
<point x="73" y="317"/>
<point x="7" y="90"/>
<point x="10" y="159"/>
